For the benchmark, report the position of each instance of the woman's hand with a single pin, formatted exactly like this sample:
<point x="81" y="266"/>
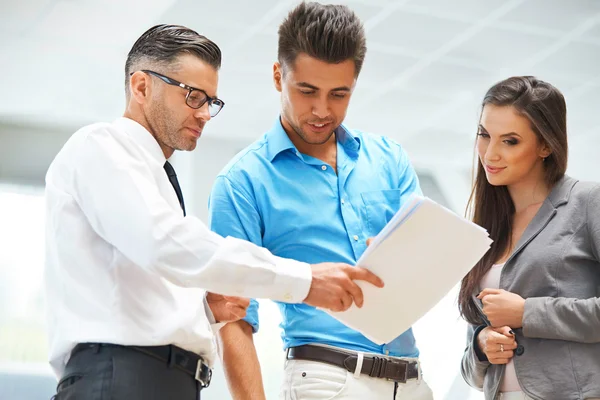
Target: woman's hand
<point x="502" y="308"/>
<point x="497" y="344"/>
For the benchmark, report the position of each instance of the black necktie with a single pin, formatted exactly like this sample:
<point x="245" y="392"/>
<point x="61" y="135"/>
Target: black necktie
<point x="173" y="179"/>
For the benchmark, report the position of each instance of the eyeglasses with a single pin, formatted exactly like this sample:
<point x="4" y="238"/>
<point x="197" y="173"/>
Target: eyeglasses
<point x="195" y="98"/>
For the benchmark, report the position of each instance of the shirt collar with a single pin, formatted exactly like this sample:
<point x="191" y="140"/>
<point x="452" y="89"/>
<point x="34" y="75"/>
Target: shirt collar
<point x="278" y="141"/>
<point x="142" y="137"/>
<point x="349" y="141"/>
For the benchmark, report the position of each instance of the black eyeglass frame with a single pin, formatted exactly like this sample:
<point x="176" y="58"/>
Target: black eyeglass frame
<point x="212" y="101"/>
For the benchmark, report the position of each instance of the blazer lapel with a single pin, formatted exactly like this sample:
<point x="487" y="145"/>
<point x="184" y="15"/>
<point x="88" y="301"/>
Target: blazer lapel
<point x="557" y="197"/>
<point x="537" y="224"/>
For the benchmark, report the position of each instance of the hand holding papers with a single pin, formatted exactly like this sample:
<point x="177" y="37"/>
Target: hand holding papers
<point x="420" y="255"/>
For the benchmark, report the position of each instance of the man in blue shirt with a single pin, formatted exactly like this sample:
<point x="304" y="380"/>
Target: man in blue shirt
<point x="313" y="190"/>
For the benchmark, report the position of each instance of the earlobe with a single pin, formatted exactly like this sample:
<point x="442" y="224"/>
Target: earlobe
<point x="277" y="72"/>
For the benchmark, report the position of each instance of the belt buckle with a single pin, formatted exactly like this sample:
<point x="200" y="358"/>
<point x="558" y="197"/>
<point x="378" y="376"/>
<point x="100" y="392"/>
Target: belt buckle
<point x="393" y="368"/>
<point x="198" y="376"/>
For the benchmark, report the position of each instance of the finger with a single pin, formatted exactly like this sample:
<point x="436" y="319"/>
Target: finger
<point x="338" y="305"/>
<point x="493" y="343"/>
<point x="240" y="301"/>
<point x="501" y="348"/>
<point x="510" y="346"/>
<point x="505" y="330"/>
<point x="506" y="354"/>
<point x="356" y="292"/>
<point x="334" y="299"/>
<point x="507" y="343"/>
<point x="210" y="296"/>
<point x="489" y="299"/>
<point x="346" y="301"/>
<point x="236" y="311"/>
<point x="504" y="340"/>
<point x="496" y="360"/>
<point x="486" y="300"/>
<point x="487" y="291"/>
<point x="369" y="241"/>
<point x="362" y="274"/>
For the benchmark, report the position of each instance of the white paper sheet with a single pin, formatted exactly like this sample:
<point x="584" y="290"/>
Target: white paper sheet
<point x="420" y="255"/>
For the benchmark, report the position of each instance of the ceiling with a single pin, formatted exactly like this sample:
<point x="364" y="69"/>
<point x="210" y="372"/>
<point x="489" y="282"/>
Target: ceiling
<point x="429" y="63"/>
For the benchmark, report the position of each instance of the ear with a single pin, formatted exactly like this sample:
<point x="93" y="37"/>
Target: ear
<point x="277" y="76"/>
<point x="140" y="87"/>
<point x="544" y="150"/>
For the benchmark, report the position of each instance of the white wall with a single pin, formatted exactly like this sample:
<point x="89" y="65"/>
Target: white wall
<point x="26" y="151"/>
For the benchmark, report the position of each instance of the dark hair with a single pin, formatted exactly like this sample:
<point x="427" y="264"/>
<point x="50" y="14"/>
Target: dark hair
<point x="330" y="33"/>
<point x="491" y="206"/>
<point x="162" y="44"/>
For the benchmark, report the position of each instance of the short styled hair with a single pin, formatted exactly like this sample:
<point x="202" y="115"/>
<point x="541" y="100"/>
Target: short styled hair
<point x="330" y="33"/>
<point x="162" y="44"/>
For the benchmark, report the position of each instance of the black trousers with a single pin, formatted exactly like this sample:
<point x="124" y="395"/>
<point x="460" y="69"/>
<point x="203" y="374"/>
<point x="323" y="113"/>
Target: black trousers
<point x="123" y="373"/>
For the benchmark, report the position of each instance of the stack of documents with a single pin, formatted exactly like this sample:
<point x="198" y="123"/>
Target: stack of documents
<point x="422" y="253"/>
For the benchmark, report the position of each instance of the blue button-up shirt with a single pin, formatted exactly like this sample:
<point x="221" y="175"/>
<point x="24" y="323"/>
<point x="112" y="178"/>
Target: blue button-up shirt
<point x="297" y="206"/>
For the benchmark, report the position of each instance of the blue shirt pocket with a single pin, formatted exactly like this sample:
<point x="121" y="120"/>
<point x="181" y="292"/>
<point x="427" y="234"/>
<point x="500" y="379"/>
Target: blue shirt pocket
<point x="378" y="208"/>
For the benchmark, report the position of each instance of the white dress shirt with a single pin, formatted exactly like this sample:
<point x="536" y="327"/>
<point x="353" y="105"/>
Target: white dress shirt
<point x="124" y="266"/>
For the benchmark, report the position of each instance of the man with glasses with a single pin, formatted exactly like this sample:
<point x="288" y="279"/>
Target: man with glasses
<point x="128" y="319"/>
<point x="313" y="189"/>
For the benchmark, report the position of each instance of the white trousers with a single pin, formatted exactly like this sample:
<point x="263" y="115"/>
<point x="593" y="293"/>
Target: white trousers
<point x="310" y="380"/>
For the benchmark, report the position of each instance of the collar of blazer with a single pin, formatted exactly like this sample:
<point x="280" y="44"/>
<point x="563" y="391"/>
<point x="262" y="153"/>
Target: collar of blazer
<point x="561" y="192"/>
<point x="559" y="195"/>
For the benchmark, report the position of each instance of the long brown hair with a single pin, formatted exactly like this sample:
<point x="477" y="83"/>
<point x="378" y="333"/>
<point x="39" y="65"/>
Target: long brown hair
<point x="491" y="206"/>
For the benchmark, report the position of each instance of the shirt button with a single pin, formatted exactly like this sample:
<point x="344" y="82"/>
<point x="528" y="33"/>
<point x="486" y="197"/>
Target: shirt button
<point x="324" y="167"/>
<point x="519" y="350"/>
<point x="343" y="201"/>
<point x="387" y="352"/>
<point x="355" y="237"/>
<point x="287" y="297"/>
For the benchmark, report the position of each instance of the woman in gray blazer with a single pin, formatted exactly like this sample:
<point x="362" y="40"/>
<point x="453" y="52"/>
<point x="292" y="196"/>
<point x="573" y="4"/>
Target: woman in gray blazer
<point x="532" y="302"/>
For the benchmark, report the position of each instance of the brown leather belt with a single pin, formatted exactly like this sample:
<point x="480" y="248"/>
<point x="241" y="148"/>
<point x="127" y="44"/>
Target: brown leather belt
<point x="377" y="367"/>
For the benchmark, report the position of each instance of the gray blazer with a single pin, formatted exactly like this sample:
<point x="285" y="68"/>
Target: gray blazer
<point x="555" y="267"/>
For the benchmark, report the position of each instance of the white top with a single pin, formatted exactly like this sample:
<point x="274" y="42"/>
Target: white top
<point x="124" y="266"/>
<point x="509" y="382"/>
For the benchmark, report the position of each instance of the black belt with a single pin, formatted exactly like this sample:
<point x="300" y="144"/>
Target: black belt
<point x="378" y="367"/>
<point x="172" y="355"/>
